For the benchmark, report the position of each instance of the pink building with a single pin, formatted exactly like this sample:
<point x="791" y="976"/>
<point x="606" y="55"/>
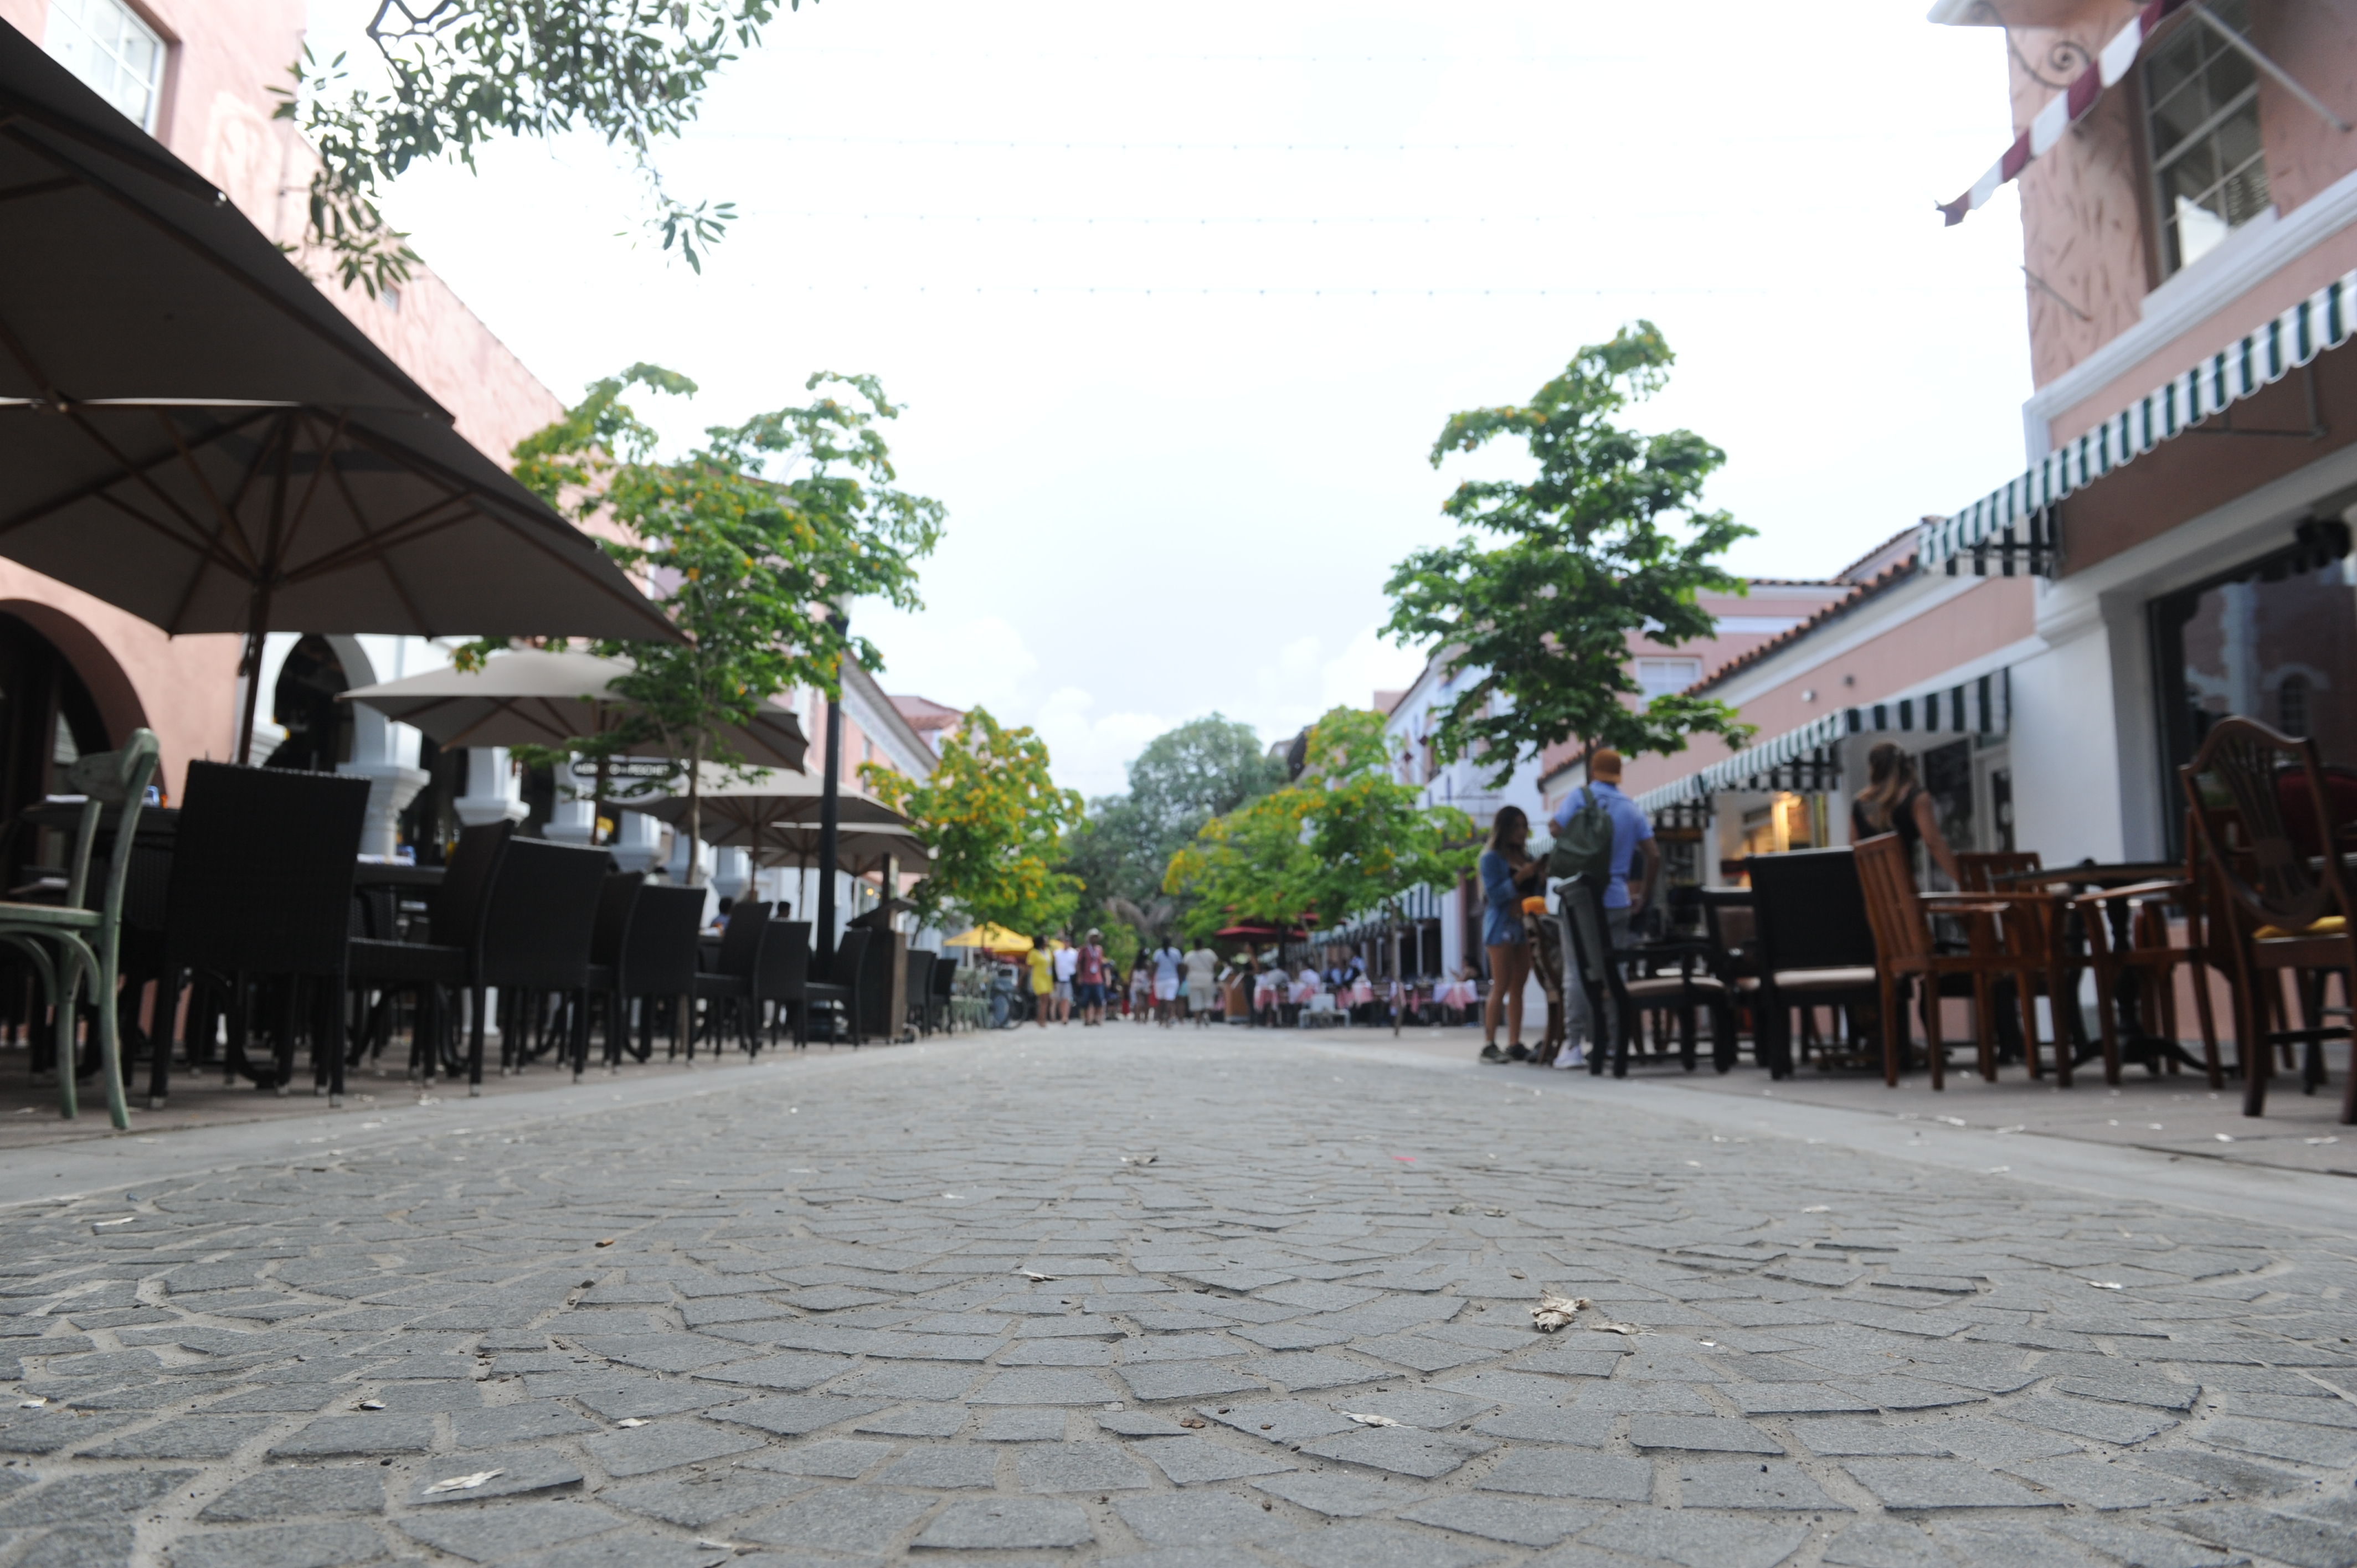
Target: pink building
<point x="75" y="674"/>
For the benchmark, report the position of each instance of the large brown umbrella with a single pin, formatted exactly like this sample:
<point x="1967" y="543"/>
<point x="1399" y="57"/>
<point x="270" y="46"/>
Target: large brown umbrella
<point x="542" y="698"/>
<point x="796" y="845"/>
<point x="190" y="430"/>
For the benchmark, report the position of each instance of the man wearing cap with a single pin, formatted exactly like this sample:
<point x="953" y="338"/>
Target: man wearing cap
<point x="1632" y="834"/>
<point x="1089" y="980"/>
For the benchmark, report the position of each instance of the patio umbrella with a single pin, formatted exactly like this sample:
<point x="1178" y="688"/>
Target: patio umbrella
<point x="192" y="432"/>
<point x="995" y="938"/>
<point x="543" y="698"/>
<point x="751" y="813"/>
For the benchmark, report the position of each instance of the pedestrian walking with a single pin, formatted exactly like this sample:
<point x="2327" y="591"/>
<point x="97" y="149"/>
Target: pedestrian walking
<point x="1202" y="984"/>
<point x="1508" y="874"/>
<point x="1167" y="961"/>
<point x="1043" y="977"/>
<point x="1089" y="980"/>
<point x="1632" y="837"/>
<point x="1067" y="962"/>
<point x="1141" y="988"/>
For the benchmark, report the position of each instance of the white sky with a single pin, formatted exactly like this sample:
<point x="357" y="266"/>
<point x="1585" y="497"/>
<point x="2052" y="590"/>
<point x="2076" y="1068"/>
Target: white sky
<point x="1165" y="500"/>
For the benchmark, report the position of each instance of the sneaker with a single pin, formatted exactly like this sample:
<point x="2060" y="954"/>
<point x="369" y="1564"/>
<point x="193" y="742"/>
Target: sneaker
<point x="1518" y="1052"/>
<point x="1490" y="1053"/>
<point x="1568" y="1057"/>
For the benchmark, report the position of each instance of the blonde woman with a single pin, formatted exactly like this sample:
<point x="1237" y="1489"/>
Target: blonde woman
<point x="1893" y="802"/>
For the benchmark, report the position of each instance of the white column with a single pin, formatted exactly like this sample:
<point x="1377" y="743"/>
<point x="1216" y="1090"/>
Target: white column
<point x="637" y="840"/>
<point x="732" y="872"/>
<point x="386" y="754"/>
<point x="675" y="868"/>
<point x="574" y="817"/>
<point x="493" y="792"/>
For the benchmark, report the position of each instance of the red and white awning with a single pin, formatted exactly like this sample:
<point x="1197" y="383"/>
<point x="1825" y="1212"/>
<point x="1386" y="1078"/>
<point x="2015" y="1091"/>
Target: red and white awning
<point x="2067" y="110"/>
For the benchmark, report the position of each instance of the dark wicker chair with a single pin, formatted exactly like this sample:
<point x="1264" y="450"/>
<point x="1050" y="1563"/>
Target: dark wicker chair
<point x="262" y="866"/>
<point x="727" y="989"/>
<point x="607" y="934"/>
<point x="656" y="962"/>
<point x="921" y="990"/>
<point x="1615" y="999"/>
<point x="845" y="988"/>
<point x="450" y="958"/>
<point x="536" y="936"/>
<point x="781" y="980"/>
<point x="938" y="1012"/>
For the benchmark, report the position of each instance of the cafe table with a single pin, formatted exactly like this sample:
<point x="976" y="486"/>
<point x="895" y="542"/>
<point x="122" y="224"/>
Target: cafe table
<point x="2136" y="1044"/>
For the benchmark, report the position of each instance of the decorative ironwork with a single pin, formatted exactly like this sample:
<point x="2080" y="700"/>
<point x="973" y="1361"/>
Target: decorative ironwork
<point x="2066" y="58"/>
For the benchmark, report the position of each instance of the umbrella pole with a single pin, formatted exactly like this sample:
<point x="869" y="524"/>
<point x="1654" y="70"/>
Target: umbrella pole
<point x="256" y="630"/>
<point x="830" y="824"/>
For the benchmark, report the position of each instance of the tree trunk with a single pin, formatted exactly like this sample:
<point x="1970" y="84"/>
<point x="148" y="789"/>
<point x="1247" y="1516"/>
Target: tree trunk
<point x="1399" y="979"/>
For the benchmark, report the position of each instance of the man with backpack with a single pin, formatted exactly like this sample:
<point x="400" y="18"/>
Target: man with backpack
<point x="1599" y="833"/>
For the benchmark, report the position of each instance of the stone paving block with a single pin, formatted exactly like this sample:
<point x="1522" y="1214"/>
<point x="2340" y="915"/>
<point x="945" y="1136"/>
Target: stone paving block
<point x="378" y="1431"/>
<point x="1796" y="1398"/>
<point x="641" y="1451"/>
<point x="1999" y="1443"/>
<point x="1197" y="1519"/>
<point x="1018" y="1425"/>
<point x="945" y="1467"/>
<point x="841" y="1458"/>
<point x="2107" y="1485"/>
<point x="1138" y="1423"/>
<point x="1318" y="1297"/>
<point x="300" y="1490"/>
<point x="1885" y="1543"/>
<point x="916" y="1421"/>
<point x="1584" y="1429"/>
<point x="491" y="1535"/>
<point x="1429" y="1408"/>
<point x="644" y="1398"/>
<point x="2224" y="1475"/>
<point x="2263" y="1532"/>
<point x="1899" y="1393"/>
<point x="906" y="1381"/>
<point x="704" y="1497"/>
<point x="789" y="1372"/>
<point x="81" y="1546"/>
<point x="48" y="1430"/>
<point x="1916" y="1484"/>
<point x="1869" y="1438"/>
<point x="2102" y="1421"/>
<point x="630" y="1549"/>
<point x="2326" y="1447"/>
<point x="791" y="1415"/>
<point x="510" y="1473"/>
<point x="1290" y="1336"/>
<point x="1653" y="1398"/>
<point x="1368" y="1543"/>
<point x="1338" y="1495"/>
<point x="1045" y="1386"/>
<point x="1694" y="1539"/>
<point x="850" y="1519"/>
<point x="2130" y="1385"/>
<point x="663" y="1352"/>
<point x="1505" y="1519"/>
<point x="1423" y="1353"/>
<point x="1570" y="1473"/>
<point x="1700" y="1434"/>
<point x="1775" y="1485"/>
<point x="1080" y="1467"/>
<point x="1310" y="1370"/>
<point x="312" y="1545"/>
<point x="1007" y="1524"/>
<point x="1402" y="1450"/>
<point x="186" y="1437"/>
<point x="1192" y="1462"/>
<point x="1279" y="1420"/>
<point x="2146" y="1548"/>
<point x="1186" y="1379"/>
<point x="101" y="1495"/>
<point x="515" y="1424"/>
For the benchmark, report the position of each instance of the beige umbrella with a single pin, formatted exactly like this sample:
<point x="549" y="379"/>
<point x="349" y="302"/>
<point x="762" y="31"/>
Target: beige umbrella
<point x="859" y="849"/>
<point x="741" y="813"/>
<point x="543" y="698"/>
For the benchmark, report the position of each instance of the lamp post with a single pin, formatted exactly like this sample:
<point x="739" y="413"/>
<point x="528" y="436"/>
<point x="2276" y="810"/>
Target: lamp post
<point x="830" y="816"/>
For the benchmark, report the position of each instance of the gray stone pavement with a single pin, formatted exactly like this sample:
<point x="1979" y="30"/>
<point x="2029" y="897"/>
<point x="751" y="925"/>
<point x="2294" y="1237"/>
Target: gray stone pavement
<point x="1174" y="1299"/>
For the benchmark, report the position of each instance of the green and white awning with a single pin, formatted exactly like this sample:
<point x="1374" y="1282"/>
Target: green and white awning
<point x="1803" y="759"/>
<point x="2012" y="525"/>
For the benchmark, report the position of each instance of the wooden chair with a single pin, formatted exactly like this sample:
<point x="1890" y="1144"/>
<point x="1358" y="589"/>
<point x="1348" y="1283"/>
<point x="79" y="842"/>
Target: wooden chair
<point x="1908" y="954"/>
<point x="2145" y="965"/>
<point x="2276" y="909"/>
<point x="76" y="940"/>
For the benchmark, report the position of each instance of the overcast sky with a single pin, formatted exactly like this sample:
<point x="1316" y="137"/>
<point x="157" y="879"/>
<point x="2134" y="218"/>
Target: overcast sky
<point x="1178" y="297"/>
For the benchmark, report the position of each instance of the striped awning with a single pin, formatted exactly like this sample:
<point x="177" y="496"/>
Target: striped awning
<point x="2070" y="106"/>
<point x="1416" y="904"/>
<point x="1804" y="758"/>
<point x="2012" y="523"/>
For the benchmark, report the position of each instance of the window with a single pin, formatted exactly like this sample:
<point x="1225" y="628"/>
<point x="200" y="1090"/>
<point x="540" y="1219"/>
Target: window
<point x="1662" y="677"/>
<point x="117" y="55"/>
<point x="2209" y="170"/>
<point x="2291" y="706"/>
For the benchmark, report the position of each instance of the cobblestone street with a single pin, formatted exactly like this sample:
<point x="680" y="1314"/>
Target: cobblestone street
<point x="1175" y="1299"/>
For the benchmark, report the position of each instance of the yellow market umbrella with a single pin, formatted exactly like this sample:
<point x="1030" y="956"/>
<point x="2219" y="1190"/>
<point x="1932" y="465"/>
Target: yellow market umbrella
<point x="995" y="938"/>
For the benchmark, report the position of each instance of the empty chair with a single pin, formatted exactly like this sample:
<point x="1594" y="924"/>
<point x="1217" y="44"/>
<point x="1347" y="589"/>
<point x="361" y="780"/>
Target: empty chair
<point x="451" y="959"/>
<point x="606" y="933"/>
<point x="919" y="990"/>
<point x="656" y="962"/>
<point x="78" y="938"/>
<point x="1910" y="956"/>
<point x="1813" y="943"/>
<point x="782" y="980"/>
<point x="536" y="934"/>
<point x="728" y="987"/>
<point x="262" y="866"/>
<point x="938" y="1012"/>
<point x="1616" y="998"/>
<point x="842" y="992"/>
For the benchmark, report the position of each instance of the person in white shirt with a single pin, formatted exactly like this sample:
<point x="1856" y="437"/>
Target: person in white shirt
<point x="1167" y="960"/>
<point x="1067" y="962"/>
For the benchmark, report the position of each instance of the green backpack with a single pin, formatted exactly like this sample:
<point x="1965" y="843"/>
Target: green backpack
<point x="1583" y="845"/>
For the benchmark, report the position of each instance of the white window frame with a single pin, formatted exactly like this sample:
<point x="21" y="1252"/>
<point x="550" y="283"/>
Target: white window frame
<point x="73" y="19"/>
<point x="2167" y="235"/>
<point x="1689" y="669"/>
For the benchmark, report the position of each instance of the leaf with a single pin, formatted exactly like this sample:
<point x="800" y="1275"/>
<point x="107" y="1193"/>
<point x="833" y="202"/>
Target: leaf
<point x="1369" y="1420"/>
<point x="1554" y="1311"/>
<point x="1629" y="1328"/>
<point x="461" y="1483"/>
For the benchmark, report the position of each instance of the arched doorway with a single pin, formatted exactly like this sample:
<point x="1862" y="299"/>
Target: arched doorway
<point x="318" y="728"/>
<point x="48" y="721"/>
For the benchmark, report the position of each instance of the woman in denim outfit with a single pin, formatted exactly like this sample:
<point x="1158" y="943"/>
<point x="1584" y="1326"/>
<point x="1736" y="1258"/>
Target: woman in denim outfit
<point x="1508" y="874"/>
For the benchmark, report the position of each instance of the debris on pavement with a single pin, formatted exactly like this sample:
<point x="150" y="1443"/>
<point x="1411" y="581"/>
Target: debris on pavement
<point x="1554" y="1312"/>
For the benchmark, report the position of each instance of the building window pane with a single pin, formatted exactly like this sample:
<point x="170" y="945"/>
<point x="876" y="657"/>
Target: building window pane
<point x="120" y="57"/>
<point x="2209" y="169"/>
<point x="1662" y="677"/>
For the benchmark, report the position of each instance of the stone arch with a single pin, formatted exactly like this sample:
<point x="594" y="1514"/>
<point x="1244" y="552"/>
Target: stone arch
<point x="119" y="707"/>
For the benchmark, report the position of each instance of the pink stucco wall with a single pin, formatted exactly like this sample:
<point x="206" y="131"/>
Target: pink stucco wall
<point x="216" y="114"/>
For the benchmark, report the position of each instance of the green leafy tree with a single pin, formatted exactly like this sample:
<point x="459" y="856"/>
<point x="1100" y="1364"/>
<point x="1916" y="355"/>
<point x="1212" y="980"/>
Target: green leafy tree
<point x="1554" y="574"/>
<point x="995" y="820"/>
<point x="460" y="72"/>
<point x="746" y="542"/>
<point x="1183" y="779"/>
<point x="1342" y="841"/>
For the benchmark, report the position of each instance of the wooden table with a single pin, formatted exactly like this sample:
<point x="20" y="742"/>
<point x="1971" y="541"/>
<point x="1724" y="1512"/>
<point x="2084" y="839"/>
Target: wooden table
<point x="2136" y="1045"/>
